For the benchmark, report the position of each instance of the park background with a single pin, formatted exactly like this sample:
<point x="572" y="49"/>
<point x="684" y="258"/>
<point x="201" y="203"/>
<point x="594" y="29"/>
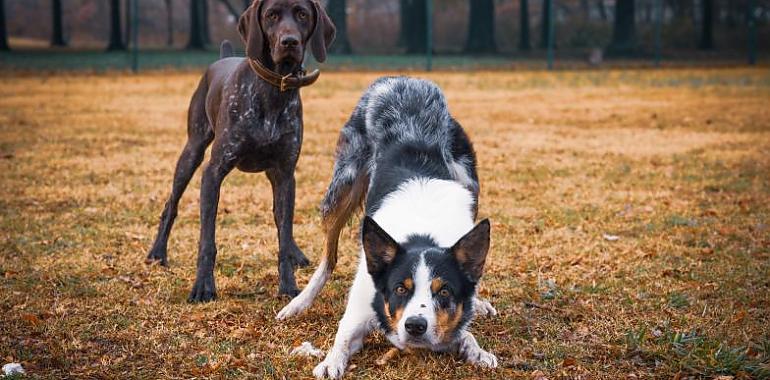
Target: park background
<point x="627" y="187"/>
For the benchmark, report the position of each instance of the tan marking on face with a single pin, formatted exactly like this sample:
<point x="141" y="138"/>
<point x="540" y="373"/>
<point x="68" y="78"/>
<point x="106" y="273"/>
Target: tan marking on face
<point x="394" y="318"/>
<point x="436" y="284"/>
<point x="409" y="284"/>
<point x="447" y="322"/>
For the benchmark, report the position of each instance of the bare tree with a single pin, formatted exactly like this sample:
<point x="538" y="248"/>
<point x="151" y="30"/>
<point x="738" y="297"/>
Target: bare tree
<point x="414" y="30"/>
<point x="624" y="29"/>
<point x="481" y="30"/>
<point x="524" y="43"/>
<point x="169" y="23"/>
<point x="602" y="9"/>
<point x="337" y="10"/>
<point x="545" y="23"/>
<point x="57" y="35"/>
<point x="3" y="33"/>
<point x="197" y="25"/>
<point x="116" y="32"/>
<point x="707" y="25"/>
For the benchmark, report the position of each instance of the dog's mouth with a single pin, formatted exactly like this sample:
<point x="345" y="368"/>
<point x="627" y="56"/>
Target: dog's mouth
<point x="288" y="61"/>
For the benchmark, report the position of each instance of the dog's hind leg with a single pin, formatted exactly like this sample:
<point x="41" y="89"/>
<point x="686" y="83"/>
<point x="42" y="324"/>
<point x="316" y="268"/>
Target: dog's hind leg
<point x="346" y="193"/>
<point x="199" y="136"/>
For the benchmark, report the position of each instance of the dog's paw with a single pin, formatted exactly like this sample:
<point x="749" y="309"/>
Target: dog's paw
<point x="297" y="258"/>
<point x="296" y="306"/>
<point x="288" y="290"/>
<point x="483" y="308"/>
<point x="333" y="367"/>
<point x="157" y="255"/>
<point x="203" y="290"/>
<point x="481" y="358"/>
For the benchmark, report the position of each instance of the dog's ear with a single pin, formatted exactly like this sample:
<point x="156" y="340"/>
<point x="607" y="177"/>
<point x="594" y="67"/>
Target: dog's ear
<point x="379" y="247"/>
<point x="323" y="33"/>
<point x="471" y="250"/>
<point x="250" y="29"/>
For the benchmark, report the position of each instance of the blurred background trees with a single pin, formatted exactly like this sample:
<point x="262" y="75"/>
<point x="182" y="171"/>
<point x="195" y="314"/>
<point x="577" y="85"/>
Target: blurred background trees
<point x="618" y="27"/>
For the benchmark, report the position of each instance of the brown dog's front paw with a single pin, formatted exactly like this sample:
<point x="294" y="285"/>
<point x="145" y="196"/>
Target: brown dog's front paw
<point x="203" y="291"/>
<point x="157" y="255"/>
<point x="296" y="257"/>
<point x="290" y="291"/>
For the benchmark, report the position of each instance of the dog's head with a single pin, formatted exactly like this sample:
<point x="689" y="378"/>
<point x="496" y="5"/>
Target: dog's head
<point x="277" y="32"/>
<point x="425" y="293"/>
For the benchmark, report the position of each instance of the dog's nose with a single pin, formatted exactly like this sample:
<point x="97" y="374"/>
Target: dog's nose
<point x="289" y="41"/>
<point x="416" y="326"/>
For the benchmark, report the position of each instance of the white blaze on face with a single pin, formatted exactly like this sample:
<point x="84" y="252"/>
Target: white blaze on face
<point x="421" y="304"/>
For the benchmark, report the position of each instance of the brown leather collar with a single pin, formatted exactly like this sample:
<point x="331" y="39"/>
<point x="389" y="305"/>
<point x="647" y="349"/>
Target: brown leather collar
<point x="283" y="82"/>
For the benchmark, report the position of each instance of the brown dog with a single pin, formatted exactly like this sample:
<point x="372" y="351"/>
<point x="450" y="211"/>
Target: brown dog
<point x="249" y="110"/>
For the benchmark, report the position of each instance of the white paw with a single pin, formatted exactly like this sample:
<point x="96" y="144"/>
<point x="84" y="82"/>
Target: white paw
<point x="481" y="358"/>
<point x="483" y="308"/>
<point x="332" y="367"/>
<point x="296" y="306"/>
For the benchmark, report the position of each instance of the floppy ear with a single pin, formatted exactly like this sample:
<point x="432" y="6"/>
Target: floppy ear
<point x="251" y="30"/>
<point x="471" y="250"/>
<point x="379" y="247"/>
<point x="323" y="33"/>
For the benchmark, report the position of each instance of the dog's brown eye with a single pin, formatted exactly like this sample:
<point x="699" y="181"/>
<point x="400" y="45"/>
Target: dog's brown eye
<point x="301" y="15"/>
<point x="444" y="293"/>
<point x="401" y="290"/>
<point x="272" y="16"/>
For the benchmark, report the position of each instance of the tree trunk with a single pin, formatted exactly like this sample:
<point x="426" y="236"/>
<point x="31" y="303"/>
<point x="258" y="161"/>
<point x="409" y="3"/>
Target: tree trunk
<point x="707" y="25"/>
<point x="414" y="29"/>
<point x="197" y="40"/>
<point x="602" y="9"/>
<point x="624" y="31"/>
<point x="127" y="11"/>
<point x="545" y="27"/>
<point x="585" y="9"/>
<point x="169" y="23"/>
<point x="338" y="13"/>
<point x="524" y="43"/>
<point x="205" y="21"/>
<point x="116" y="32"/>
<point x="57" y="37"/>
<point x="481" y="29"/>
<point x="3" y="32"/>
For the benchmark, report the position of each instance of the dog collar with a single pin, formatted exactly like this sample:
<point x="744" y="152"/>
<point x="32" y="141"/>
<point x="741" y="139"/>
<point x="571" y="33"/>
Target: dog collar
<point x="284" y="82"/>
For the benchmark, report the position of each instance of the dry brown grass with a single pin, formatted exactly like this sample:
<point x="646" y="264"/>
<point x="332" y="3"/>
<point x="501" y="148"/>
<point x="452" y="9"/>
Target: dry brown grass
<point x="675" y="163"/>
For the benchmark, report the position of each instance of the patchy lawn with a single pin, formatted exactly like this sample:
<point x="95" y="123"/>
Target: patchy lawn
<point x="630" y="211"/>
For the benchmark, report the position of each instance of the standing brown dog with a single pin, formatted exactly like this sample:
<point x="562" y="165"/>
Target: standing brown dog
<point x="249" y="110"/>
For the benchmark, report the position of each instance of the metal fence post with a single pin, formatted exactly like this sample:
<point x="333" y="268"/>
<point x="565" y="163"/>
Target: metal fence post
<point x="134" y="35"/>
<point x="550" y="5"/>
<point x="429" y="36"/>
<point x="658" y="27"/>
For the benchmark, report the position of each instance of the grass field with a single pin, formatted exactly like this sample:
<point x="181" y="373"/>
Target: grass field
<point x="673" y="163"/>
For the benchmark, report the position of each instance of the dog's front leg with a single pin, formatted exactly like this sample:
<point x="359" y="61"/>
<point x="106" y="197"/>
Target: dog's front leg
<point x="349" y="339"/>
<point x="468" y="349"/>
<point x="358" y="321"/>
<point x="289" y="255"/>
<point x="204" y="290"/>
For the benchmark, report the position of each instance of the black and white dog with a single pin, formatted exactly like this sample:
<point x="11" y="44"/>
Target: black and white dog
<point x="422" y="255"/>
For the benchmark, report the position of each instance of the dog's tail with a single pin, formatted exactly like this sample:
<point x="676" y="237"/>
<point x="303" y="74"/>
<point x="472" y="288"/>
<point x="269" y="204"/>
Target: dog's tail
<point x="345" y="195"/>
<point x="225" y="49"/>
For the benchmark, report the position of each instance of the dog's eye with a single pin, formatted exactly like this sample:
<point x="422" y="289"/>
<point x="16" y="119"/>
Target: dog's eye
<point x="272" y="16"/>
<point x="444" y="292"/>
<point x="302" y="15"/>
<point x="401" y="291"/>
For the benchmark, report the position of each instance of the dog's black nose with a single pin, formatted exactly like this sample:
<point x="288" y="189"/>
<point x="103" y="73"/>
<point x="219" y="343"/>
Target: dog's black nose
<point x="289" y="41"/>
<point x="416" y="326"/>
